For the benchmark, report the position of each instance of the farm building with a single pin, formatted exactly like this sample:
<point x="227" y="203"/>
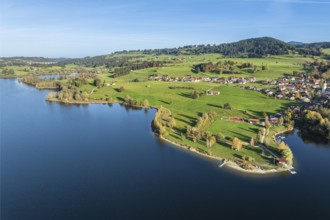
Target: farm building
<point x="254" y="121"/>
<point x="213" y="92"/>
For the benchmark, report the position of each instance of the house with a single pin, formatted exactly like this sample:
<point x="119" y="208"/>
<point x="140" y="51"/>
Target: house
<point x="281" y="161"/>
<point x="254" y="121"/>
<point x="213" y="92"/>
<point x="274" y="120"/>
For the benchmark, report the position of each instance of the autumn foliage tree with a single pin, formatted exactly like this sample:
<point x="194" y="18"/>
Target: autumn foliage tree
<point x="237" y="144"/>
<point x="210" y="140"/>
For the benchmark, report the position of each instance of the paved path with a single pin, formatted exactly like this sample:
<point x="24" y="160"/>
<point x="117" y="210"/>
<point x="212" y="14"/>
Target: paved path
<point x="92" y="91"/>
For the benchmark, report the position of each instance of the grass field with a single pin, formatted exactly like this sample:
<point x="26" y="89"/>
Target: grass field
<point x="326" y="51"/>
<point x="277" y="66"/>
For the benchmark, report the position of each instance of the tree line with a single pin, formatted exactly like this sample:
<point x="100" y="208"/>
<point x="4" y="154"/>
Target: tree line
<point x="41" y="83"/>
<point x="317" y="121"/>
<point x="6" y="71"/>
<point x="223" y="67"/>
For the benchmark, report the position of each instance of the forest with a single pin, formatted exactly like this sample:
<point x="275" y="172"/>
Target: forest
<point x="317" y="122"/>
<point x="249" y="48"/>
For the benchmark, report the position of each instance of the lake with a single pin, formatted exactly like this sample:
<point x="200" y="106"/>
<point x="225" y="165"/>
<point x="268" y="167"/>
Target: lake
<point x="103" y="162"/>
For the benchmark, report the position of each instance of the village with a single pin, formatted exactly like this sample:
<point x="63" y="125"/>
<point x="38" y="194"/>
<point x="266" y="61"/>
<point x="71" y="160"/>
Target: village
<point x="190" y="78"/>
<point x="307" y="91"/>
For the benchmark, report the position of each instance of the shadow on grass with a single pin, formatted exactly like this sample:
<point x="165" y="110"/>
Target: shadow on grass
<point x="253" y="130"/>
<point x="241" y="136"/>
<point x="192" y="120"/>
<point x="184" y="121"/>
<point x="120" y="99"/>
<point x="165" y="102"/>
<point x="237" y="156"/>
<point x="267" y="159"/>
<point x="216" y="106"/>
<point x="254" y="114"/>
<point x="186" y="95"/>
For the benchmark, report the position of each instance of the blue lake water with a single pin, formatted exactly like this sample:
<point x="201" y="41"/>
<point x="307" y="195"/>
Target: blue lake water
<point x="104" y="162"/>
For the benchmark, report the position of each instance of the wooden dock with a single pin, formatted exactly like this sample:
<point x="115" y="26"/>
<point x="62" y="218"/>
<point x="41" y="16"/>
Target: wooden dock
<point x="223" y="163"/>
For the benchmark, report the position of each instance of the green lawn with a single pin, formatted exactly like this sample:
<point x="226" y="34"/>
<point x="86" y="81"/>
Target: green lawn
<point x="277" y="66"/>
<point x="326" y="51"/>
<point x="224" y="150"/>
<point x="243" y="131"/>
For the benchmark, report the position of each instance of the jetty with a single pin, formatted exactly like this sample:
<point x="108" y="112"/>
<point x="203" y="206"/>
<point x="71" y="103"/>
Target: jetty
<point x="290" y="169"/>
<point x="223" y="163"/>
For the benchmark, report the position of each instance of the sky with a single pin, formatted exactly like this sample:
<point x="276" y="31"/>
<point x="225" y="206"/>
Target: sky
<point x="74" y="28"/>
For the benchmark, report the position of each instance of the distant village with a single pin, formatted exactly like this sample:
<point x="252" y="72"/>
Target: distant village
<point x="190" y="78"/>
<point x="296" y="89"/>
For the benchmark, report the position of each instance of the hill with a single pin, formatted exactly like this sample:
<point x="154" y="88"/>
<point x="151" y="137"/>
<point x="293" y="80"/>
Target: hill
<point x="254" y="47"/>
<point x="295" y="43"/>
<point x="249" y="48"/>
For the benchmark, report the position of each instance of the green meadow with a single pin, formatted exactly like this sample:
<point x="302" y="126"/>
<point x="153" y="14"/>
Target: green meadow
<point x="326" y="51"/>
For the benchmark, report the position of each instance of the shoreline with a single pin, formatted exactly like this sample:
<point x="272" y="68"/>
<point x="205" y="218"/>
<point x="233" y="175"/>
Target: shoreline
<point x="231" y="164"/>
<point x="79" y="102"/>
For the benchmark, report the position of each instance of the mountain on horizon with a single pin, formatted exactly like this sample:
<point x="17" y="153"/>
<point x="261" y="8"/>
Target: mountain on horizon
<point x="295" y="43"/>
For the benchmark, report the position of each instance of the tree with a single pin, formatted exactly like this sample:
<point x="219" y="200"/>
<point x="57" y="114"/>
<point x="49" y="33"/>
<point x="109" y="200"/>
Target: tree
<point x="146" y="103"/>
<point x="11" y="72"/>
<point x="227" y="106"/>
<point x="173" y="122"/>
<point x="265" y="117"/>
<point x="288" y="156"/>
<point x="252" y="142"/>
<point x="183" y="136"/>
<point x="282" y="146"/>
<point x="254" y="69"/>
<point x="260" y="135"/>
<point x="84" y="96"/>
<point x="237" y="144"/>
<point x="195" y="94"/>
<point x="248" y="158"/>
<point x="97" y="82"/>
<point x="221" y="137"/>
<point x="264" y="67"/>
<point x="210" y="140"/>
<point x="162" y="131"/>
<point x="77" y="97"/>
<point x="51" y="95"/>
<point x="188" y="131"/>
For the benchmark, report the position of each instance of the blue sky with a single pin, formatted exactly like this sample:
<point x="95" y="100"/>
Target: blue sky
<point x="86" y="28"/>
